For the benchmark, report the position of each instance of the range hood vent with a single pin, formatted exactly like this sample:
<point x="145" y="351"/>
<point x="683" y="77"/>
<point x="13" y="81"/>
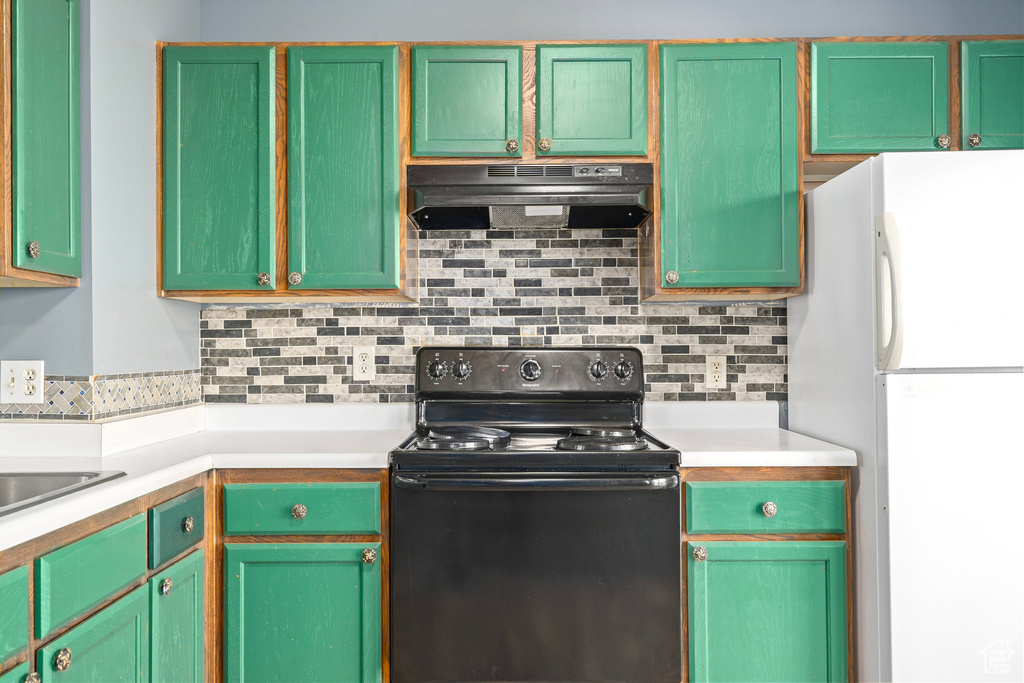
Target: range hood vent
<point x="471" y="197"/>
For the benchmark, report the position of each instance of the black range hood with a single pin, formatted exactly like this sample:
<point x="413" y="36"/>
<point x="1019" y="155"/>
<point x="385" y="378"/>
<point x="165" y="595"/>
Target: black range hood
<point x="472" y="197"/>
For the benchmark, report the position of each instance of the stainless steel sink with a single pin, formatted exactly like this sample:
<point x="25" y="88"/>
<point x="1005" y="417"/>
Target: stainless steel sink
<point x="25" y="489"/>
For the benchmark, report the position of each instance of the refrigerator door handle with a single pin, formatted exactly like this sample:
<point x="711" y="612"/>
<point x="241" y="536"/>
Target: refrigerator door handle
<point x="888" y="292"/>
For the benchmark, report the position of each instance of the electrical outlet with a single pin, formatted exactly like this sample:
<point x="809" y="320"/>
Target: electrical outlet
<point x="22" y="381"/>
<point x="714" y="374"/>
<point x="364" y="366"/>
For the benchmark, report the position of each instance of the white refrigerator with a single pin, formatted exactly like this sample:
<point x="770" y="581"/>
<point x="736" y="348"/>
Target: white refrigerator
<point x="908" y="347"/>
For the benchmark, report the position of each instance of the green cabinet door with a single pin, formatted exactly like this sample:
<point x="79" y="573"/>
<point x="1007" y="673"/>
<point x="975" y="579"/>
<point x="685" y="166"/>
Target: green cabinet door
<point x="218" y="164"/>
<point x="110" y="647"/>
<point x="878" y="97"/>
<point x="176" y="622"/>
<point x="15" y="675"/>
<point x="767" y="611"/>
<point x="343" y="223"/>
<point x="467" y="101"/>
<point x="13" y="612"/>
<point x="45" y="136"/>
<point x="730" y="199"/>
<point x="992" y="94"/>
<point x="302" y="612"/>
<point x="591" y="99"/>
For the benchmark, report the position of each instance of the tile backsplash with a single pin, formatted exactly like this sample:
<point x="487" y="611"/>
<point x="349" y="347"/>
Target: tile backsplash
<point x="524" y="287"/>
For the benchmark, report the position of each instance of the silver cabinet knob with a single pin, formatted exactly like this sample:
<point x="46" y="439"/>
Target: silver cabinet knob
<point x="943" y="141"/>
<point x="188" y="524"/>
<point x="973" y="139"/>
<point x="769" y="509"/>
<point x="512" y="145"/>
<point x="33" y="677"/>
<point x="62" y="660"/>
<point x="33" y="249"/>
<point x="165" y="587"/>
<point x="294" y="278"/>
<point x="369" y="556"/>
<point x="671" y="277"/>
<point x="263" y="279"/>
<point x="298" y="511"/>
<point x="544" y="144"/>
<point x="700" y="553"/>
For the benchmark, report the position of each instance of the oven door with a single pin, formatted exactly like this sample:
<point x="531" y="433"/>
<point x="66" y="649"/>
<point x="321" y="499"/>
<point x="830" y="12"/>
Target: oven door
<point x="536" y="577"/>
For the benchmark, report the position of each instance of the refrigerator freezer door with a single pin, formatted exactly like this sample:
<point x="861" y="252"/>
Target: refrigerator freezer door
<point x="956" y="554"/>
<point x="961" y="233"/>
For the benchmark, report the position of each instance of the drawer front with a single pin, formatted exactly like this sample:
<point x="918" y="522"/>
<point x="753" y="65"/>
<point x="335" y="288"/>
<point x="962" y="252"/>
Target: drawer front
<point x="726" y="507"/>
<point x="175" y="526"/>
<point x="284" y="509"/>
<point x="80" y="576"/>
<point x="16" y="675"/>
<point x="13" y="612"/>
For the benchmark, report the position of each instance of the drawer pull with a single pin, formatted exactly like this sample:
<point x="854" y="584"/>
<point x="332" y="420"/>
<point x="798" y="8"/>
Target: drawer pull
<point x="769" y="509"/>
<point x="943" y="141"/>
<point x="188" y="524"/>
<point x="298" y="511"/>
<point x="34" y="677"/>
<point x="62" y="660"/>
<point x="700" y="553"/>
<point x="369" y="556"/>
<point x="973" y="139"/>
<point x="165" y="587"/>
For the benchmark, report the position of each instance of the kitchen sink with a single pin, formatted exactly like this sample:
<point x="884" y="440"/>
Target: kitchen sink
<point x="24" y="489"/>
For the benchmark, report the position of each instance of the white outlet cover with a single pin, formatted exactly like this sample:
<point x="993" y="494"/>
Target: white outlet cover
<point x="714" y="374"/>
<point x="22" y="381"/>
<point x="364" y="371"/>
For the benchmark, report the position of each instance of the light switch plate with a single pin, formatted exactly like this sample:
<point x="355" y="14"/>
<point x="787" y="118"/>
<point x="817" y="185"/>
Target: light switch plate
<point x="364" y="366"/>
<point x="21" y="381"/>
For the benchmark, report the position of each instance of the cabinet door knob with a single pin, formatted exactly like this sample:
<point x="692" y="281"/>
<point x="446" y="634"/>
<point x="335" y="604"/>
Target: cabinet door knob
<point x="544" y="144"/>
<point x="33" y="677"/>
<point x="33" y="249"/>
<point x="512" y="145"/>
<point x="298" y="511"/>
<point x="973" y="139"/>
<point x="943" y="141"/>
<point x="165" y="587"/>
<point x="62" y="660"/>
<point x="700" y="553"/>
<point x="188" y="524"/>
<point x="263" y="279"/>
<point x="294" y="278"/>
<point x="769" y="509"/>
<point x="671" y="277"/>
<point x="369" y="556"/>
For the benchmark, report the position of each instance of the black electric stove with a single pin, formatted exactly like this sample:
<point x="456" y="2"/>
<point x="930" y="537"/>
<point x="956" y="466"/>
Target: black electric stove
<point x="535" y="522"/>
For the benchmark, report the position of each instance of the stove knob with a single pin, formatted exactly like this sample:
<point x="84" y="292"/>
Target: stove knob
<point x="623" y="370"/>
<point x="436" y="369"/>
<point x="598" y="370"/>
<point x="462" y="369"/>
<point x="530" y="370"/>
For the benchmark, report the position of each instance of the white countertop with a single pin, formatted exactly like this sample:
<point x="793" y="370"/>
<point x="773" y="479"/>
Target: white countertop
<point x="160" y="449"/>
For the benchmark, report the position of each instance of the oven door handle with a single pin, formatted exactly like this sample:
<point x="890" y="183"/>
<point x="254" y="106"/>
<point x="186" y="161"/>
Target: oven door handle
<point x="498" y="482"/>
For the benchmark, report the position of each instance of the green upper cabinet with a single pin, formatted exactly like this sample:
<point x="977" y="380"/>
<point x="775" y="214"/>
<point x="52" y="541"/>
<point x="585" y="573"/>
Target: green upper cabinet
<point x="45" y="136"/>
<point x="176" y="622"/>
<point x="992" y="94"/>
<point x="730" y="199"/>
<point x="879" y="97"/>
<point x="467" y="101"/>
<point x="591" y="99"/>
<point x="767" y="611"/>
<point x="219" y="161"/>
<point x="302" y="612"/>
<point x="344" y="221"/>
<point x="112" y="645"/>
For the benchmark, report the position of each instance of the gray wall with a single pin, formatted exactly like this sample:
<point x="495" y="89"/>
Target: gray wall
<point x="414" y="20"/>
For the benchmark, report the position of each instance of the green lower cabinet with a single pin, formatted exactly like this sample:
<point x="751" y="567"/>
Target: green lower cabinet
<point x="730" y="198"/>
<point x="992" y="94"/>
<point x="767" y="611"/>
<point x="591" y="99"/>
<point x="343" y="226"/>
<point x="15" y="675"/>
<point x="176" y="622"/>
<point x="13" y="612"/>
<point x="109" y="647"/>
<point x="879" y="97"/>
<point x="467" y="100"/>
<point x="302" y="612"/>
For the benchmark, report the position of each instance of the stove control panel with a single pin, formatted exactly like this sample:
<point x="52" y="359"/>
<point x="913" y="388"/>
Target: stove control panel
<point x="578" y="372"/>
